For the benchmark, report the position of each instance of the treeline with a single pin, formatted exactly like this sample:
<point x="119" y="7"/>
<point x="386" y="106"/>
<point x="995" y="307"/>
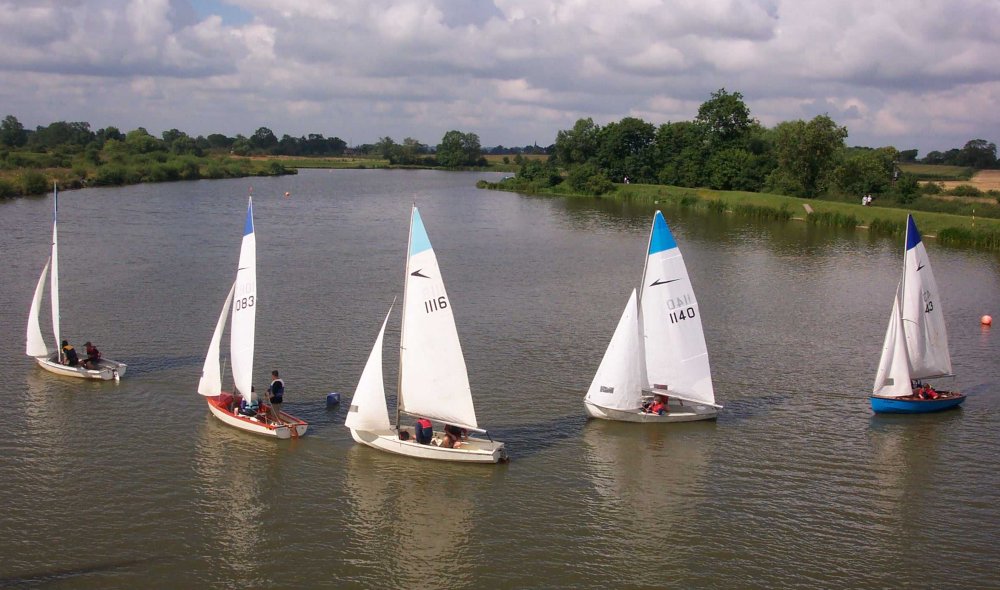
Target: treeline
<point x="725" y="148"/>
<point x="76" y="156"/>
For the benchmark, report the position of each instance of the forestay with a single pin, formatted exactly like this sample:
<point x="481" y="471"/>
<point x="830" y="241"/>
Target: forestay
<point x="621" y="377"/>
<point x="368" y="410"/>
<point x="676" y="354"/>
<point x="893" y="376"/>
<point x="434" y="382"/>
<point x="35" y="342"/>
<point x="210" y="383"/>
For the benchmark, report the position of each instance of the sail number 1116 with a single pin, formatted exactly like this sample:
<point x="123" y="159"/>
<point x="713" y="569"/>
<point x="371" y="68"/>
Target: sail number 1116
<point x="435" y="304"/>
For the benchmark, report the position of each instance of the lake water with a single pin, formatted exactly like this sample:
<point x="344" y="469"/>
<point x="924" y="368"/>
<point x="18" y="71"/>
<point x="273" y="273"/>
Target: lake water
<point x="797" y="484"/>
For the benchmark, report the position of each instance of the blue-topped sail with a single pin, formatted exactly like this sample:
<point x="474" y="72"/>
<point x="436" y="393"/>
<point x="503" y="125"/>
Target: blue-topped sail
<point x="418" y="235"/>
<point x="661" y="239"/>
<point x="248" y="225"/>
<point x="912" y="235"/>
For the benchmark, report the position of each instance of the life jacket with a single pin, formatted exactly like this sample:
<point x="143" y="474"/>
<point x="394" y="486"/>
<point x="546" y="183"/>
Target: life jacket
<point x="424" y="423"/>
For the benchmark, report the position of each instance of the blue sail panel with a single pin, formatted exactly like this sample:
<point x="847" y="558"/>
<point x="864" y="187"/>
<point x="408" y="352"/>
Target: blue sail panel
<point x="418" y="235"/>
<point x="912" y="235"/>
<point x="661" y="239"/>
<point x="248" y="225"/>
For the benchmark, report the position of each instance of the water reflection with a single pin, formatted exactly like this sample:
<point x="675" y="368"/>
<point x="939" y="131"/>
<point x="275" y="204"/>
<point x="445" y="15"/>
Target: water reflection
<point x="231" y="493"/>
<point x="414" y="517"/>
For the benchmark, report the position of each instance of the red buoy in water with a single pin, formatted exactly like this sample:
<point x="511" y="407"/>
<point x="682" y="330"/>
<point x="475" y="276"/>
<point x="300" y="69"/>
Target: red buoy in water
<point x="986" y="320"/>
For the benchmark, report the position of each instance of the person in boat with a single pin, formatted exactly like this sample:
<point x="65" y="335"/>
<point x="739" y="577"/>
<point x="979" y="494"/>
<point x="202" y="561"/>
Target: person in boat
<point x="276" y="390"/>
<point x="425" y="431"/>
<point x="659" y="405"/>
<point x="453" y="436"/>
<point x="928" y="392"/>
<point x="93" y="359"/>
<point x="249" y="409"/>
<point x="69" y="353"/>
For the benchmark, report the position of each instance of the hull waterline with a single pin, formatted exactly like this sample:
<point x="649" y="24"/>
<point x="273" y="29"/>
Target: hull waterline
<point x="687" y="413"/>
<point x="889" y="405"/>
<point x="291" y="426"/>
<point x="473" y="450"/>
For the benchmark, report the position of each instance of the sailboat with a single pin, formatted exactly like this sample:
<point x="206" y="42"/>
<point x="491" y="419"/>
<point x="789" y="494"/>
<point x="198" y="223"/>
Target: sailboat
<point x="242" y="298"/>
<point x="916" y="340"/>
<point x="658" y="348"/>
<point x="433" y="381"/>
<point x="106" y="369"/>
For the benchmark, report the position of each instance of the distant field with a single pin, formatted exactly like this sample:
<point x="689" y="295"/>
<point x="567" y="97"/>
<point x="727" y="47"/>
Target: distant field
<point x="937" y="172"/>
<point x="984" y="180"/>
<point x="328" y="161"/>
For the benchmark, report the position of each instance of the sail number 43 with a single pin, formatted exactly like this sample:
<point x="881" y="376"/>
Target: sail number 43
<point x="435" y="304"/>
<point x="684" y="314"/>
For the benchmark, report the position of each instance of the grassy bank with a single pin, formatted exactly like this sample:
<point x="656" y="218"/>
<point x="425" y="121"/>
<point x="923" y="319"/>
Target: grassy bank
<point x="956" y="230"/>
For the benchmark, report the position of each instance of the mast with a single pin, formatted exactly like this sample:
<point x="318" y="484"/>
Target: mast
<point x="54" y="278"/>
<point x="402" y="326"/>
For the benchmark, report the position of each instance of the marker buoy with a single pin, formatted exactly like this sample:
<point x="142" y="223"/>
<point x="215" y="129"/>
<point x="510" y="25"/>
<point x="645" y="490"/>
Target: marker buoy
<point x="986" y="320"/>
<point x="332" y="398"/>
<point x="287" y="194"/>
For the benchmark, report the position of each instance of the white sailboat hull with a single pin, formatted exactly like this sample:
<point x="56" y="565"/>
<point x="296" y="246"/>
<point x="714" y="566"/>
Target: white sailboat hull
<point x="292" y="426"/>
<point x="473" y="450"/>
<point x="689" y="412"/>
<point x="106" y="371"/>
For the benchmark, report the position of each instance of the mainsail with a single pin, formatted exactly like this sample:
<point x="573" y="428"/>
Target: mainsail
<point x="433" y="381"/>
<point x="676" y="355"/>
<point x="241" y="335"/>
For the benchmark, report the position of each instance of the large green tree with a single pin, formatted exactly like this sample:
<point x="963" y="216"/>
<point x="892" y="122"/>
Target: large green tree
<point x="806" y="155"/>
<point x="864" y="171"/>
<point x="577" y="145"/>
<point x="725" y="117"/>
<point x="12" y="133"/>
<point x="627" y="149"/>
<point x="459" y="149"/>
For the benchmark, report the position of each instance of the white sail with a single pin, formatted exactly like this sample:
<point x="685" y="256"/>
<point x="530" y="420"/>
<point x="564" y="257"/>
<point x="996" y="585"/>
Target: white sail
<point x="35" y="342"/>
<point x="621" y="377"/>
<point x="676" y="355"/>
<point x="211" y="374"/>
<point x="54" y="277"/>
<point x="923" y="317"/>
<point x="241" y="334"/>
<point x="893" y="376"/>
<point x="368" y="411"/>
<point x="434" y="382"/>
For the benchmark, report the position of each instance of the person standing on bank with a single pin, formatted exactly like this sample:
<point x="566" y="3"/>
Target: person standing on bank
<point x="276" y="390"/>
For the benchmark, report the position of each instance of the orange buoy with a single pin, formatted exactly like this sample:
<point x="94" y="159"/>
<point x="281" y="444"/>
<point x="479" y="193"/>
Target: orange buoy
<point x="287" y="194"/>
<point x="986" y="320"/>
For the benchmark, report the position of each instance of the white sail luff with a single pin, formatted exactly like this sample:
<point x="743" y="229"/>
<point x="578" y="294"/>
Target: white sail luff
<point x="243" y="323"/>
<point x="35" y="341"/>
<point x="368" y="411"/>
<point x="620" y="377"/>
<point x="210" y="383"/>
<point x="893" y="376"/>
<point x="674" y="340"/>
<point x="54" y="277"/>
<point x="434" y="381"/>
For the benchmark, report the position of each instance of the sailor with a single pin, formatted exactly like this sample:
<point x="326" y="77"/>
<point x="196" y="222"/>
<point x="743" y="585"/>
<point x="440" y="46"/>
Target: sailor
<point x="70" y="353"/>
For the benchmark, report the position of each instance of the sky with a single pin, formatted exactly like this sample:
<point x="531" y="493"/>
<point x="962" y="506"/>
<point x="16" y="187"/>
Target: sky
<point x="913" y="74"/>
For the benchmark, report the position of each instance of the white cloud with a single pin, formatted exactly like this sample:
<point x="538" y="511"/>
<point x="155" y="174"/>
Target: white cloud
<point x="915" y="73"/>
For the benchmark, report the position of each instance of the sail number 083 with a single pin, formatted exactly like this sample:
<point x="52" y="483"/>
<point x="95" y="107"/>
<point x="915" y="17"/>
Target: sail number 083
<point x="684" y="314"/>
<point x="243" y="303"/>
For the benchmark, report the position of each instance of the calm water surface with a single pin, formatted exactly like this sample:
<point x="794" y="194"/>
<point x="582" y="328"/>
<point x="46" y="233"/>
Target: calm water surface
<point x="796" y="485"/>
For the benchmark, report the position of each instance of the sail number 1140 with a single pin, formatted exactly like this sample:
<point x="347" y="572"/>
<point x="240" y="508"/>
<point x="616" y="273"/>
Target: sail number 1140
<point x="683" y="314"/>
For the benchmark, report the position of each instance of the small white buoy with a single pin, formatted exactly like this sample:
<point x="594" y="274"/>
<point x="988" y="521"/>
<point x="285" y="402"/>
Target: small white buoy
<point x="118" y="377"/>
<point x="332" y="398"/>
<point x="986" y="320"/>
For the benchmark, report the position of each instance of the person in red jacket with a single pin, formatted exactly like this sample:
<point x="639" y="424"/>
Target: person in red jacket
<point x="424" y="430"/>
